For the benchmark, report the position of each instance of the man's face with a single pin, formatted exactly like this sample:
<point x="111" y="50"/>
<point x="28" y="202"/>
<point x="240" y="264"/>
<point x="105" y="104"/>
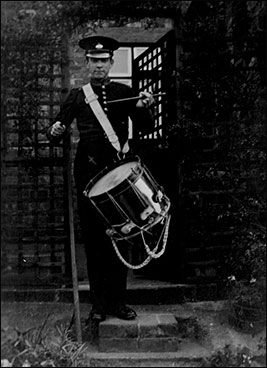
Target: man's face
<point x="99" y="68"/>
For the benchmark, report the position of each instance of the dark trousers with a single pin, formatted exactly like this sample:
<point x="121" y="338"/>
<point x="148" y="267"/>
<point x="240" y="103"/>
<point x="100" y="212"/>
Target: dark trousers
<point x="106" y="273"/>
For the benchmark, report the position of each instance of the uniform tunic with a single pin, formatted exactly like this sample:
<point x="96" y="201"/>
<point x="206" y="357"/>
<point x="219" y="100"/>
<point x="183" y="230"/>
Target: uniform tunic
<point x="107" y="274"/>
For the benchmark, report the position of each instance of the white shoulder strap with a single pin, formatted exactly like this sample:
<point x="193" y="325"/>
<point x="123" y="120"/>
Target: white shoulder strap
<point x="91" y="98"/>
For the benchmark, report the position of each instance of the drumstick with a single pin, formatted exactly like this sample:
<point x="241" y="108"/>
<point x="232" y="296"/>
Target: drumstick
<point x="136" y="98"/>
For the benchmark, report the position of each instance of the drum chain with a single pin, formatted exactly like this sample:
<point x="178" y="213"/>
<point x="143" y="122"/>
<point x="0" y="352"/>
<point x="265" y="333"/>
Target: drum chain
<point x="151" y="254"/>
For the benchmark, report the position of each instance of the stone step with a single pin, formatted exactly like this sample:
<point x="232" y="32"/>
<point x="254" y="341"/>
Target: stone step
<point x="153" y="332"/>
<point x="163" y="344"/>
<point x="190" y="354"/>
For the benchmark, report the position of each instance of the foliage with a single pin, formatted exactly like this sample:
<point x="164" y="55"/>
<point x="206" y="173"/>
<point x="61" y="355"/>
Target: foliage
<point x="223" y="122"/>
<point x="43" y="347"/>
<point x="247" y="157"/>
<point x="29" y="21"/>
<point x="262" y="344"/>
<point x="247" y="287"/>
<point x="59" y="17"/>
<point x="248" y="258"/>
<point x="247" y="305"/>
<point x="229" y="357"/>
<point x="120" y="12"/>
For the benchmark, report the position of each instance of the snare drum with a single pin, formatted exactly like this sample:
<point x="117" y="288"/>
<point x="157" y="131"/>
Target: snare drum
<point x="128" y="198"/>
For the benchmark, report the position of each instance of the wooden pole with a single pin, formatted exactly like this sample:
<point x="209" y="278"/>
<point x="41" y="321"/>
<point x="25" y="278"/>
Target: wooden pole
<point x="73" y="253"/>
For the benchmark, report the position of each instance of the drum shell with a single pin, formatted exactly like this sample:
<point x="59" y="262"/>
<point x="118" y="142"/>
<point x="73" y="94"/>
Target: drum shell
<point x="124" y="203"/>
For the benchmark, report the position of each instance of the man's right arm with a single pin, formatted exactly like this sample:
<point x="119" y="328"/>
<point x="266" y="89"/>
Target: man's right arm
<point x="64" y="118"/>
<point x="56" y="130"/>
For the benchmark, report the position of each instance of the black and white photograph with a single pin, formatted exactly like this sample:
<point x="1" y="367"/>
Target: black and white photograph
<point x="133" y="183"/>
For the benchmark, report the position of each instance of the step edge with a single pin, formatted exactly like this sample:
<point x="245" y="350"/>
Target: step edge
<point x="126" y="355"/>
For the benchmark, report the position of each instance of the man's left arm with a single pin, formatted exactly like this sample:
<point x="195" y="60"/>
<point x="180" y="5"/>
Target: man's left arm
<point x="142" y="115"/>
<point x="146" y="100"/>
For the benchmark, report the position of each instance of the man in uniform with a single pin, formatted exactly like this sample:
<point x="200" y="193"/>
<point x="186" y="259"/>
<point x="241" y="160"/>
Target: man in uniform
<point x="106" y="273"/>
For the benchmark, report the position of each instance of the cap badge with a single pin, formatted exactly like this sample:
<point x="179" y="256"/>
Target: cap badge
<point x="99" y="46"/>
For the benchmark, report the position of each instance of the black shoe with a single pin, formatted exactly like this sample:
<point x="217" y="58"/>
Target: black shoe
<point x="122" y="311"/>
<point x="97" y="314"/>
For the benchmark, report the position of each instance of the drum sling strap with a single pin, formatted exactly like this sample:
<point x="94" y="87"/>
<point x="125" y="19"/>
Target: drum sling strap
<point x="91" y="98"/>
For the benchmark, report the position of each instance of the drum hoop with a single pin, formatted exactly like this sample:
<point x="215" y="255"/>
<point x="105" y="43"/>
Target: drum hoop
<point x="146" y="227"/>
<point x="109" y="168"/>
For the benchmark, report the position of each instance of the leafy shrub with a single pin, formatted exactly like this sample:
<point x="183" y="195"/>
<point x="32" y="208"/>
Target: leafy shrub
<point x="228" y="357"/>
<point x="247" y="287"/>
<point x="248" y="305"/>
<point x="38" y="348"/>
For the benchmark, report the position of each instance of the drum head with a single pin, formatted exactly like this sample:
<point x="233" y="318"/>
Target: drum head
<point x="112" y="179"/>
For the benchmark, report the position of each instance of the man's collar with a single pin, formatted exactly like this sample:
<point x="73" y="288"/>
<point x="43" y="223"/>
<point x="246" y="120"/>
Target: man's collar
<point x="96" y="82"/>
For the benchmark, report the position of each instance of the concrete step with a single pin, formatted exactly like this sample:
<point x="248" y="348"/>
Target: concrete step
<point x="153" y="332"/>
<point x="189" y="355"/>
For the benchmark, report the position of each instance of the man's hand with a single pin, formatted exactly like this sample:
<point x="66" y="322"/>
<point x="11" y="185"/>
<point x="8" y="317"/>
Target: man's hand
<point x="146" y="99"/>
<point x="57" y="129"/>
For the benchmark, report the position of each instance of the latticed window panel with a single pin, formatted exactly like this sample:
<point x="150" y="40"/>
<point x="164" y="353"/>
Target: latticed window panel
<point x="33" y="189"/>
<point x="153" y="71"/>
